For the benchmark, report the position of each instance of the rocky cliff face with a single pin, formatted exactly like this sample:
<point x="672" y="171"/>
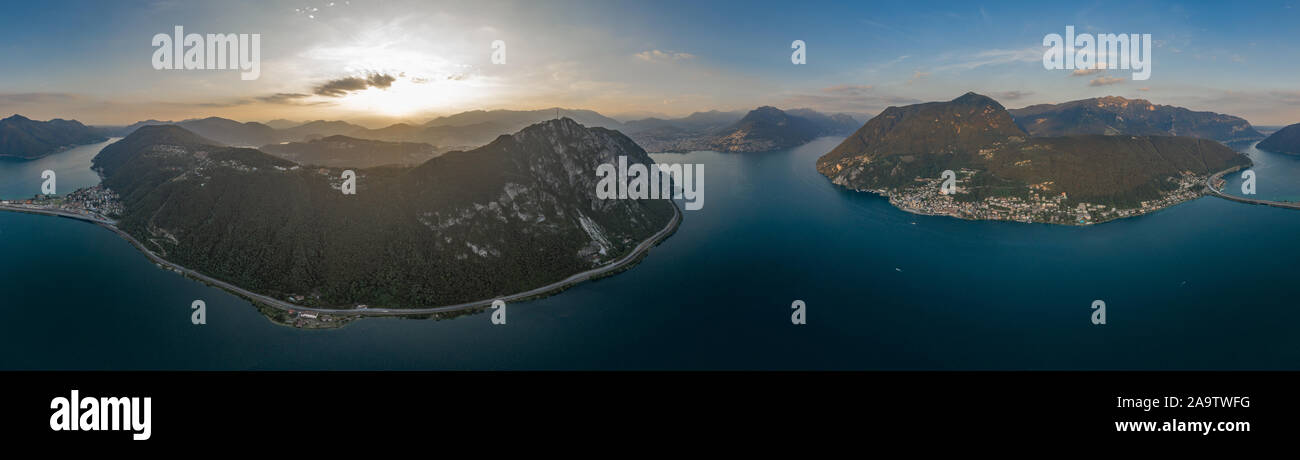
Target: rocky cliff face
<point x="518" y="213"/>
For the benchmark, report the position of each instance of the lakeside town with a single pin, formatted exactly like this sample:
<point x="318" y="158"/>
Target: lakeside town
<point x="97" y="202"/>
<point x="1041" y="206"/>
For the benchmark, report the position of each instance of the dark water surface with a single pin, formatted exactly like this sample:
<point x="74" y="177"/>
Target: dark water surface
<point x="1208" y="284"/>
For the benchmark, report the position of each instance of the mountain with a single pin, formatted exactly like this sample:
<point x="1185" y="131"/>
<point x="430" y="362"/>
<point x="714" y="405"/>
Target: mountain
<point x="350" y="152"/>
<point x="281" y="123"/>
<point x="517" y="119"/>
<point x="1116" y="115"/>
<point x="315" y="129"/>
<point x="762" y="129"/>
<point x="680" y="134"/>
<point x="478" y="127"/>
<point x="903" y="152"/>
<point x="221" y="130"/>
<point x="515" y="214"/>
<point x="400" y="132"/>
<point x="22" y="137"/>
<point x="1285" y="140"/>
<point x="770" y="128"/>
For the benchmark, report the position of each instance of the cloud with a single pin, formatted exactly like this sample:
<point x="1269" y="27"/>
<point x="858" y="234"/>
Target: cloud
<point x="847" y="98"/>
<point x="1287" y="97"/>
<point x="848" y="90"/>
<point x="663" y="56"/>
<point x="1103" y="81"/>
<point x="917" y="75"/>
<point x="1145" y="88"/>
<point x="343" y="86"/>
<point x="1085" y="72"/>
<point x="283" y="98"/>
<point x="1012" y="95"/>
<point x="35" y="98"/>
<point x="992" y="57"/>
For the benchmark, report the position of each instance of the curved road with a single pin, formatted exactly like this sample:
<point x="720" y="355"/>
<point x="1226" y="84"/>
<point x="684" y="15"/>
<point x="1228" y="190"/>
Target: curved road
<point x="1209" y="185"/>
<point x="283" y="305"/>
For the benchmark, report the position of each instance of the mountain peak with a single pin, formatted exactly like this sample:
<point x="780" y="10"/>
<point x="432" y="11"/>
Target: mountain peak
<point x="17" y="117"/>
<point x="973" y="98"/>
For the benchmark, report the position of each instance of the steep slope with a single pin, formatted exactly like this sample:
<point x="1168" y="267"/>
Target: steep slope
<point x="1116" y="115"/>
<point x="22" y="137"/>
<point x="512" y="215"/>
<point x="1285" y="140"/>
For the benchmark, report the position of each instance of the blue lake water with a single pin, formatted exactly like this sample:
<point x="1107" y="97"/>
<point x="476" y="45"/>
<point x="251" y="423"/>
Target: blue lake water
<point x="22" y="179"/>
<point x="1208" y="284"/>
<point x="1277" y="176"/>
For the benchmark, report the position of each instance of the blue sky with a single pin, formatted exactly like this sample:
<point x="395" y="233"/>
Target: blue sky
<point x="90" y="60"/>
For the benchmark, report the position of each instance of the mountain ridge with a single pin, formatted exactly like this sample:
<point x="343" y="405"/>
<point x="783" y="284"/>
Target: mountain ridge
<point x="28" y="139"/>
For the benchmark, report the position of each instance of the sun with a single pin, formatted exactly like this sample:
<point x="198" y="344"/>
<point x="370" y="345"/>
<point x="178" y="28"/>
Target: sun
<point x="408" y="96"/>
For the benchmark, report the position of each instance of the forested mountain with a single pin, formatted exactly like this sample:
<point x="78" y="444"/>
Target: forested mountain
<point x="1285" y="140"/>
<point x="1116" y="115"/>
<point x="349" y="152"/>
<point x="518" y="213"/>
<point x="22" y="137"/>
<point x="976" y="132"/>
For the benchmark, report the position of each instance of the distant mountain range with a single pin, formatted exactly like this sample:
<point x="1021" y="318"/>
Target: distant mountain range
<point x="512" y="215"/>
<point x="1116" y="115"/>
<point x="906" y="145"/>
<point x="765" y="128"/>
<point x="349" y="152"/>
<point x="762" y="129"/>
<point x="24" y="138"/>
<point x="1285" y="140"/>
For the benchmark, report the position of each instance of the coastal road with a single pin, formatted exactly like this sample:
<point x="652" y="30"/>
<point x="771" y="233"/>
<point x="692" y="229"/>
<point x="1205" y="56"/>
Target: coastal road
<point x="284" y="305"/>
<point x="1209" y="185"/>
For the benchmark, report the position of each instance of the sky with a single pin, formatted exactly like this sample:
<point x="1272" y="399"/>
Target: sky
<point x="377" y="62"/>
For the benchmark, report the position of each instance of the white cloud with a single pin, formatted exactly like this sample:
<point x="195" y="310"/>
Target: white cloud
<point x="663" y="56"/>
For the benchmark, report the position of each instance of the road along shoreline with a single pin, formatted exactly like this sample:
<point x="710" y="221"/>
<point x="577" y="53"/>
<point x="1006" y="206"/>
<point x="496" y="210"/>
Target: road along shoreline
<point x="599" y="272"/>
<point x="1209" y="185"/>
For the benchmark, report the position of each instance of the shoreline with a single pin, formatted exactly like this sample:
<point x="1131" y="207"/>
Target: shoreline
<point x="890" y="196"/>
<point x="1209" y="186"/>
<point x="614" y="267"/>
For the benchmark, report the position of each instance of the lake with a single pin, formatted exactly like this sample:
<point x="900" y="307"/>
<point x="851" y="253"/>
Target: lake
<point x="22" y="178"/>
<point x="1207" y="284"/>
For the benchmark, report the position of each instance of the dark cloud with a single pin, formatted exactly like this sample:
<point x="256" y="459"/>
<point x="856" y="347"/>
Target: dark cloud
<point x="283" y="98"/>
<point x="343" y="86"/>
